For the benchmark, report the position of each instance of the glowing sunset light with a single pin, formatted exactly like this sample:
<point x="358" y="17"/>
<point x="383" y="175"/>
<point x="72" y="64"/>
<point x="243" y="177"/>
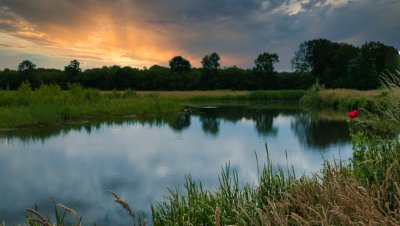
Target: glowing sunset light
<point x="141" y="33"/>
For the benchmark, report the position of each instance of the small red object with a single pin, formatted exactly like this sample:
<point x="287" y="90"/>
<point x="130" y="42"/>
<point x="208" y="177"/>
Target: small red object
<point x="352" y="114"/>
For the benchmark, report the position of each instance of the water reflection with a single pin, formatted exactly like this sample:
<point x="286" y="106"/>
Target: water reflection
<point x="314" y="133"/>
<point x="319" y="133"/>
<point x="263" y="118"/>
<point x="78" y="162"/>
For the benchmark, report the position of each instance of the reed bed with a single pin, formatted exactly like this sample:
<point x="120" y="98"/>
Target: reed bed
<point x="228" y="204"/>
<point x="344" y="99"/>
<point x="334" y="198"/>
<point x="51" y="105"/>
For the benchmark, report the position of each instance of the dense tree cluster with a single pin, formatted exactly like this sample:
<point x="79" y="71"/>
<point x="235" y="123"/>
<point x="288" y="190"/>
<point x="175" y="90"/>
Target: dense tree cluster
<point x="179" y="76"/>
<point x="333" y="64"/>
<point x="340" y="65"/>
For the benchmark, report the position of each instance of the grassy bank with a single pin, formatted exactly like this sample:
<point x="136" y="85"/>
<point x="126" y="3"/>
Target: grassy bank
<point x="344" y="99"/>
<point x="50" y="105"/>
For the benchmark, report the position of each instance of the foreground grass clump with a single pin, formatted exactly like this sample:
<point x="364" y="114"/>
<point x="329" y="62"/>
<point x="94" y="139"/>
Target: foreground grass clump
<point x="334" y="198"/>
<point x="229" y="203"/>
<point x="50" y="104"/>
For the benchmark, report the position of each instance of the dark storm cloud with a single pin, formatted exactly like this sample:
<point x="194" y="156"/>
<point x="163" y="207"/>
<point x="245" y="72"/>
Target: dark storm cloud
<point x="43" y="11"/>
<point x="375" y="21"/>
<point x="242" y="28"/>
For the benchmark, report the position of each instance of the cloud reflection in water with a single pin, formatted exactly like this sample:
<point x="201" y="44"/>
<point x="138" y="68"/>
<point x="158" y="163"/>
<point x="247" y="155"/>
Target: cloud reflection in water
<point x="76" y="164"/>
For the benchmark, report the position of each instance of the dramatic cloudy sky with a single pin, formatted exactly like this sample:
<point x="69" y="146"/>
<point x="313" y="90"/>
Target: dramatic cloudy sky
<point x="140" y="33"/>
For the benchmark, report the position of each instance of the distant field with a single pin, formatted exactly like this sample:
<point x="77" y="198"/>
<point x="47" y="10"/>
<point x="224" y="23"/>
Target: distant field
<point x="215" y="93"/>
<point x="348" y="93"/>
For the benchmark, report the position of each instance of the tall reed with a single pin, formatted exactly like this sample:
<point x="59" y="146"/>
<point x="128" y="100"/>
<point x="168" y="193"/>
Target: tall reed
<point x="229" y="203"/>
<point x="333" y="198"/>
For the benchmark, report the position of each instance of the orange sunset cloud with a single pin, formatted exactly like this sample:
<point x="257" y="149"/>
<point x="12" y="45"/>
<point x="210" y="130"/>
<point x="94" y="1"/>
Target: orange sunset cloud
<point x="144" y="33"/>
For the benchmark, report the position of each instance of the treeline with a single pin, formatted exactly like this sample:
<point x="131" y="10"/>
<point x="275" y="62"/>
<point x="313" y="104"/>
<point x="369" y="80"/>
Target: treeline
<point x="157" y="78"/>
<point x="336" y="65"/>
<point x="341" y="65"/>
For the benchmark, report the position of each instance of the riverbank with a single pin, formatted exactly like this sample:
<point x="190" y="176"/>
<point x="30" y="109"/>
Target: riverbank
<point x="50" y="105"/>
<point x="344" y="99"/>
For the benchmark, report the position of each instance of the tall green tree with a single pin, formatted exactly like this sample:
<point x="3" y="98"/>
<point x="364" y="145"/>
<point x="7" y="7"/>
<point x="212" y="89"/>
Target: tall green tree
<point x="210" y="62"/>
<point x="327" y="61"/>
<point x="179" y="64"/>
<point x="362" y="72"/>
<point x="26" y="71"/>
<point x="385" y="57"/>
<point x="265" y="63"/>
<point x="26" y="65"/>
<point x="301" y="61"/>
<point x="73" y="68"/>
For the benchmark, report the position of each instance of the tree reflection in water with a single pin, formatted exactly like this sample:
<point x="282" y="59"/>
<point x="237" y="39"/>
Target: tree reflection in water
<point x="319" y="133"/>
<point x="310" y="132"/>
<point x="211" y="117"/>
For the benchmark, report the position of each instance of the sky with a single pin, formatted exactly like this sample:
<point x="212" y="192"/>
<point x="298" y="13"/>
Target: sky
<point x="141" y="33"/>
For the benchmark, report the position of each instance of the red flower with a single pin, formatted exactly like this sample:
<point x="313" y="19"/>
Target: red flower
<point x="352" y="114"/>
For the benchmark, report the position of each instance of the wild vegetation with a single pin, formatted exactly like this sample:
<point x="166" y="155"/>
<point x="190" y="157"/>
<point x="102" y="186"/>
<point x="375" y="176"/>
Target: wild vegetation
<point x="51" y="105"/>
<point x="335" y="65"/>
<point x="318" y="97"/>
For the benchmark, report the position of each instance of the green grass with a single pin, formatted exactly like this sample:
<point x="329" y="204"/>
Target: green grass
<point x="234" y="203"/>
<point x="50" y="105"/>
<point x="345" y="99"/>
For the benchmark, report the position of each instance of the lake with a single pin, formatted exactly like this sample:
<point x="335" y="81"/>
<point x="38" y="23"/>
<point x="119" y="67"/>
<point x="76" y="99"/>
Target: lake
<point x="78" y="162"/>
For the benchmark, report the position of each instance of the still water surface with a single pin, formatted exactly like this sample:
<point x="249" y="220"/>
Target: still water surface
<point x="75" y="164"/>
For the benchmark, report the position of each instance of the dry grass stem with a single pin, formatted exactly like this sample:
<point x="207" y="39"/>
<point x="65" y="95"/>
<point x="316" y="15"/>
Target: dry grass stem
<point x="72" y="212"/>
<point x="35" y="213"/>
<point x="124" y="204"/>
<point x="217" y="223"/>
<point x="40" y="221"/>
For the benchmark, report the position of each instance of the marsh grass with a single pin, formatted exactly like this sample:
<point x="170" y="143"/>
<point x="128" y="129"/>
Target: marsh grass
<point x="344" y="99"/>
<point x="333" y="198"/>
<point x="228" y="204"/>
<point x="51" y="105"/>
<point x="376" y="145"/>
<point x="35" y="218"/>
<point x="277" y="95"/>
<point x="252" y="96"/>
